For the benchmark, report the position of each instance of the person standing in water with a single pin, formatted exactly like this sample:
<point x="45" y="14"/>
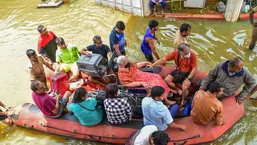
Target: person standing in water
<point x="147" y="46"/>
<point x="254" y="32"/>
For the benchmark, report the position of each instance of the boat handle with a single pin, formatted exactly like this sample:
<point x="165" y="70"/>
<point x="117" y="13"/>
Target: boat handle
<point x="27" y="126"/>
<point x="95" y="137"/>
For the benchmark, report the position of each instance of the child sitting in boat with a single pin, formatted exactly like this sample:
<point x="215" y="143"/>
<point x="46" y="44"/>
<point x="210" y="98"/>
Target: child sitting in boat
<point x="118" y="110"/>
<point x="130" y="76"/>
<point x="206" y="106"/>
<point x="85" y="108"/>
<point x="48" y="105"/>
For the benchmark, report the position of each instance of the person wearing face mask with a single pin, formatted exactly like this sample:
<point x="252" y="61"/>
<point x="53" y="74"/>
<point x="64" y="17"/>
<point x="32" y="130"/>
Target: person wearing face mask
<point x="187" y="65"/>
<point x="117" y="39"/>
<point x="206" y="107"/>
<point x="147" y="46"/>
<point x="232" y="75"/>
<point x="181" y="35"/>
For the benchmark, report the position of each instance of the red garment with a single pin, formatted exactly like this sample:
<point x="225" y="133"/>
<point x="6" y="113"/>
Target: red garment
<point x="45" y="103"/>
<point x="132" y="74"/>
<point x="43" y="40"/>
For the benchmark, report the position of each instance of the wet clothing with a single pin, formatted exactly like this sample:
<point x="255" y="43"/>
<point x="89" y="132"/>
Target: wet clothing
<point x="87" y="112"/>
<point x="3" y="117"/>
<point x="145" y="47"/>
<point x="179" y="39"/>
<point x="183" y="64"/>
<point x="104" y="50"/>
<point x="118" y="110"/>
<point x="36" y="70"/>
<point x="206" y="108"/>
<point x="231" y="83"/>
<point x="153" y="3"/>
<point x="156" y="113"/>
<point x="47" y="103"/>
<point x="47" y="45"/>
<point x="143" y="137"/>
<point x="254" y="32"/>
<point x="116" y="38"/>
<point x="131" y="74"/>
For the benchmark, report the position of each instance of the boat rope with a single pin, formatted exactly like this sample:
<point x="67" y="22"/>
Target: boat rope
<point x="93" y="137"/>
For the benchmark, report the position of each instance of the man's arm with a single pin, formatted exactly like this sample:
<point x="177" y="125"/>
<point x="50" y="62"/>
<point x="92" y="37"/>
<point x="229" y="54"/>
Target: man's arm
<point x="47" y="64"/>
<point x="178" y="126"/>
<point x="219" y="116"/>
<point x="84" y="51"/>
<point x="143" y="64"/>
<point x="249" y="84"/>
<point x="210" y="78"/>
<point x="117" y="49"/>
<point x="115" y="42"/>
<point x="2" y="104"/>
<point x="161" y="61"/>
<point x="56" y="109"/>
<point x="153" y="48"/>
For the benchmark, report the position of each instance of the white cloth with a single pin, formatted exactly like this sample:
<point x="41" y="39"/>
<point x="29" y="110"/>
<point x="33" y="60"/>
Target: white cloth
<point x="143" y="136"/>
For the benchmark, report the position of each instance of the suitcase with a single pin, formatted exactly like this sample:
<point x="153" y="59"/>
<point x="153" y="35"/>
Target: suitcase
<point x="59" y="83"/>
<point x="94" y="65"/>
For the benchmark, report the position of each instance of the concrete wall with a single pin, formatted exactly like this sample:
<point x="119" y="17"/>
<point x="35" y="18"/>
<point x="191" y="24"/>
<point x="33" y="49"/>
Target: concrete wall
<point x="135" y="7"/>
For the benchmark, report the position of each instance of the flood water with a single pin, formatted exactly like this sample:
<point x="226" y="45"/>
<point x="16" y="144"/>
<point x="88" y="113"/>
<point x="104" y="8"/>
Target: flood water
<point x="78" y="21"/>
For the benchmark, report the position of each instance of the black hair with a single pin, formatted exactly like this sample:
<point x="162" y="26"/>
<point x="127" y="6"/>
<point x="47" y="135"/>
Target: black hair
<point x="235" y="61"/>
<point x="111" y="90"/>
<point x="215" y="87"/>
<point x="33" y="86"/>
<point x="79" y="93"/>
<point x="160" y="138"/>
<point x="153" y="24"/>
<point x="59" y="40"/>
<point x="40" y="28"/>
<point x="120" y="25"/>
<point x="184" y="27"/>
<point x="31" y="52"/>
<point x="157" y="91"/>
<point x="95" y="38"/>
<point x="182" y="47"/>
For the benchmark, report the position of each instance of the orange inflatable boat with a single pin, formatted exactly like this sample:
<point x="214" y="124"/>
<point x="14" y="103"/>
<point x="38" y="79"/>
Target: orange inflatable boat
<point x="29" y="116"/>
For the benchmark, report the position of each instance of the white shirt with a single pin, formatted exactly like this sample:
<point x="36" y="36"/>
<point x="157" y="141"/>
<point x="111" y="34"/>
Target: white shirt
<point x="143" y="136"/>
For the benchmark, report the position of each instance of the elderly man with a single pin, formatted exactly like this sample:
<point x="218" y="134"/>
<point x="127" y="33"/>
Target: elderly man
<point x="46" y="43"/>
<point x="130" y="76"/>
<point x="48" y="105"/>
<point x="181" y="35"/>
<point x="187" y="65"/>
<point x="117" y="39"/>
<point x="232" y="75"/>
<point x="35" y="67"/>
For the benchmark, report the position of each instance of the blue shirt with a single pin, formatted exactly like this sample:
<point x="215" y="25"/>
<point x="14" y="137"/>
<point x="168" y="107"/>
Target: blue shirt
<point x="89" y="115"/>
<point x="145" y="47"/>
<point x="116" y="38"/>
<point x="156" y="113"/>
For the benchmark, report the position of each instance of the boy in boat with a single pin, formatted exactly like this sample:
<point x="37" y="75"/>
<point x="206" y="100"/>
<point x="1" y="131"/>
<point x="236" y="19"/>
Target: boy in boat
<point x="46" y="43"/>
<point x="66" y="57"/>
<point x="156" y="113"/>
<point x="48" y="105"/>
<point x="149" y="135"/>
<point x="206" y="106"/>
<point x="117" y="39"/>
<point x="154" y="3"/>
<point x="148" y="46"/>
<point x="181" y="35"/>
<point x="187" y="65"/>
<point x="99" y="48"/>
<point x="232" y="75"/>
<point x="35" y="67"/>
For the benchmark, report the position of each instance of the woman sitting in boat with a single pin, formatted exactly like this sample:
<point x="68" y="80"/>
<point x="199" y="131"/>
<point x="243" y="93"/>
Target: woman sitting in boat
<point x="118" y="110"/>
<point x="85" y="108"/>
<point x="130" y="76"/>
